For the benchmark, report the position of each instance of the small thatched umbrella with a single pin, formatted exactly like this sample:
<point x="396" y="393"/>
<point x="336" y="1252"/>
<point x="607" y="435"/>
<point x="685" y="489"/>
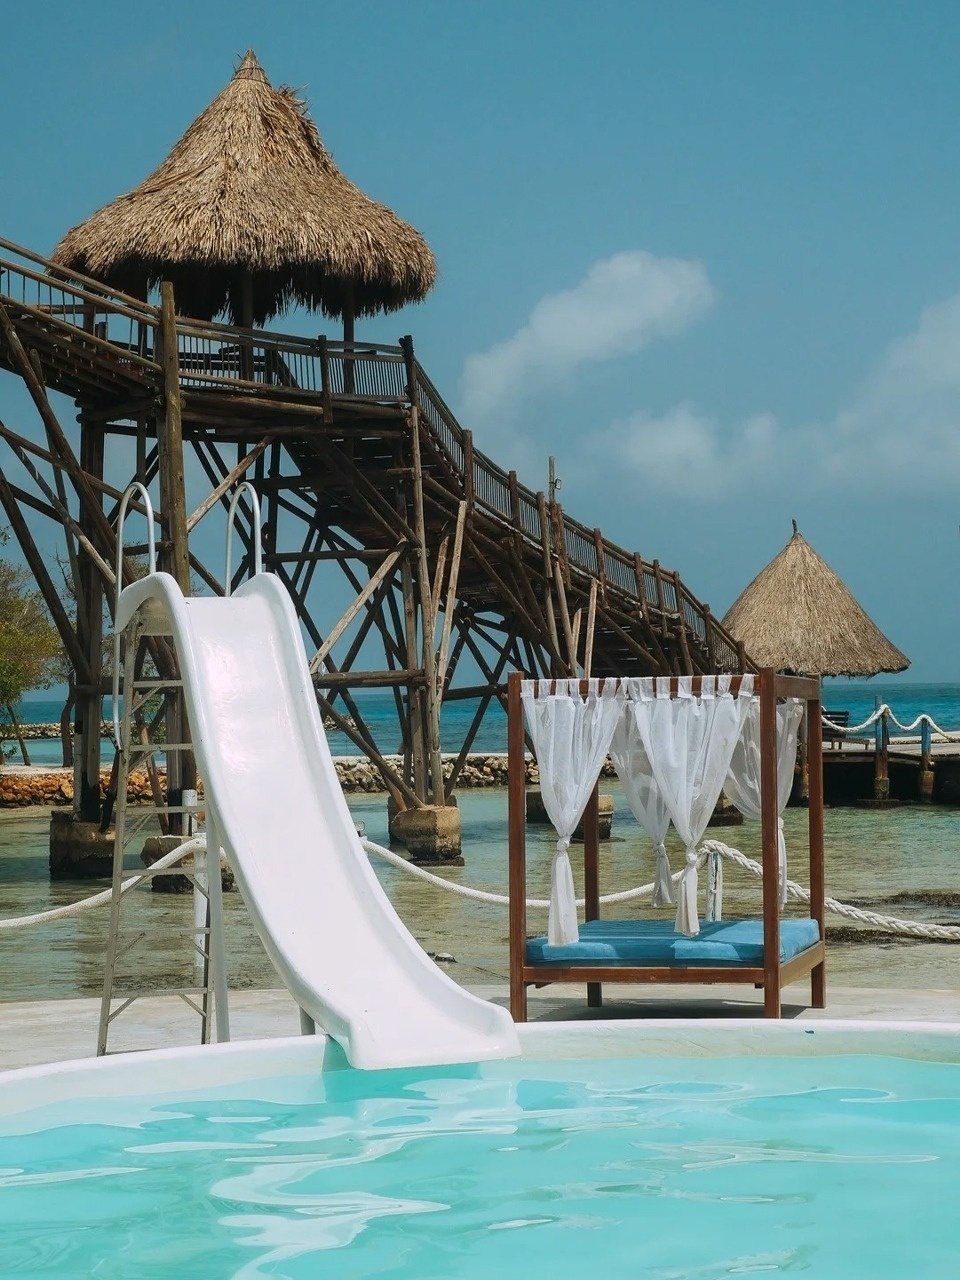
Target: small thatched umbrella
<point x="249" y="214"/>
<point x="798" y="617"/>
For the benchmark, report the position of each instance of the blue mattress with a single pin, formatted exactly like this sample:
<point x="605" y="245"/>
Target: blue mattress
<point x="652" y="943"/>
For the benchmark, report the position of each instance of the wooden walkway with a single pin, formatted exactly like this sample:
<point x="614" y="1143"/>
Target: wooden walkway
<point x="358" y="461"/>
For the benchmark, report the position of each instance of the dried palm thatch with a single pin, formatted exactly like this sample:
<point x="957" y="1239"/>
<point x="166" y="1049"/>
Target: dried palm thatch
<point x="249" y="214"/>
<point x="798" y="617"/>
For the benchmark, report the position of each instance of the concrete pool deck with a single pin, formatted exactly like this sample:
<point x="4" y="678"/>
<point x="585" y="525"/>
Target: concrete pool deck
<point x="44" y="1031"/>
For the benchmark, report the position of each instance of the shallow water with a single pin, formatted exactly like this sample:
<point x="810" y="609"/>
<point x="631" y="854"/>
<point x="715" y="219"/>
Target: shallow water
<point x="909" y="854"/>
<point x="834" y="1166"/>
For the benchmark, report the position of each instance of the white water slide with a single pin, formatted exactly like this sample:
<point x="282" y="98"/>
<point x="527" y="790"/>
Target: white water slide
<point x="272" y="796"/>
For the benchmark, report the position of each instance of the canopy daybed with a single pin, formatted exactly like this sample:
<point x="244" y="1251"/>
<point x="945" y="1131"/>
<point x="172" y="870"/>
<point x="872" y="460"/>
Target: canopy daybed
<point x="676" y="743"/>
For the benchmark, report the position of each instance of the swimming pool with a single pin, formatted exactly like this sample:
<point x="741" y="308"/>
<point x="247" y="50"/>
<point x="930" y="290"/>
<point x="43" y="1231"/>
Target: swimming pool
<point x="661" y="1150"/>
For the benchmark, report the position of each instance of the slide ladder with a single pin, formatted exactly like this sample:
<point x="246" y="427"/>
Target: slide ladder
<point x="153" y="726"/>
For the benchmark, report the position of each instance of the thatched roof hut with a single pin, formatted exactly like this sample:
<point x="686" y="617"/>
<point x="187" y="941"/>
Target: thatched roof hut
<point x="797" y="616"/>
<point x="249" y="214"/>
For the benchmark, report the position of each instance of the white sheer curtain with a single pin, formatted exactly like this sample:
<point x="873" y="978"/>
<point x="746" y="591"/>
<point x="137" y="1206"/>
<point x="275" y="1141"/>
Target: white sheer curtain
<point x="571" y="737"/>
<point x="689" y="741"/>
<point x="643" y="795"/>
<point x="742" y="785"/>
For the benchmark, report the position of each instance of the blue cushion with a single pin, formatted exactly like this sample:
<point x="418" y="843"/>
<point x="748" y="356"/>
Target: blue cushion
<point x="655" y="942"/>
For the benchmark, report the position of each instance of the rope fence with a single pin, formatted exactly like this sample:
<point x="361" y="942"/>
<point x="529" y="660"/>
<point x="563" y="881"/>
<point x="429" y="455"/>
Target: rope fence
<point x="885" y="710"/>
<point x="198" y="844"/>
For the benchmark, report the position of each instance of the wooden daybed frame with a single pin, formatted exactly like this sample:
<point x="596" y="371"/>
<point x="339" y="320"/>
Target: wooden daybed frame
<point x="773" y="975"/>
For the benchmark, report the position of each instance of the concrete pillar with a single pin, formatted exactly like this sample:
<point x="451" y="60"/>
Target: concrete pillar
<point x="537" y="814"/>
<point x="79" y="850"/>
<point x="154" y="848"/>
<point x="431" y="833"/>
<point x="925" y="786"/>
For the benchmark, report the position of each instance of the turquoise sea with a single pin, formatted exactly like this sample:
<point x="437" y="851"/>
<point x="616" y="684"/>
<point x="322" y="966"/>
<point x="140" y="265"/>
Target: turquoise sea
<point x="940" y="701"/>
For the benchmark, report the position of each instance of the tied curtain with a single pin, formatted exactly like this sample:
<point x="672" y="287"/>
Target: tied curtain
<point x="643" y="795"/>
<point x="571" y="736"/>
<point x="742" y="784"/>
<point x="689" y="742"/>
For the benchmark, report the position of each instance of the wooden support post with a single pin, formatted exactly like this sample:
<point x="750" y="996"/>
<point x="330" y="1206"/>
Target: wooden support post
<point x="427" y="620"/>
<point x="661" y="601"/>
<point x="325" y="389"/>
<point x="170" y="442"/>
<point x="925" y="778"/>
<point x="709" y="638"/>
<point x="516" y="846"/>
<point x="881" y="766"/>
<point x="175" y="556"/>
<point x="640" y="579"/>
<point x="814" y="826"/>
<point x="689" y="668"/>
<point x="90" y="634"/>
<point x="565" y="618"/>
<point x="769" y="843"/>
<point x="601" y="562"/>
<point x="547" y="573"/>
<point x="415" y="734"/>
<point x="591" y="878"/>
<point x="451" y="600"/>
<point x="468" y="494"/>
<point x="818" y="981"/>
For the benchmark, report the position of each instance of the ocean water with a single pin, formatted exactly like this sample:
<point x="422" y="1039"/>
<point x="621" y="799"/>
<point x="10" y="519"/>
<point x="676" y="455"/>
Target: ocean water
<point x="900" y="862"/>
<point x="940" y="701"/>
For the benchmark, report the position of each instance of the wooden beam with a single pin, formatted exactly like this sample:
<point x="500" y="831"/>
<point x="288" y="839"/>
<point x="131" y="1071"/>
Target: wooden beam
<point x="227" y="483"/>
<point x="451" y="594"/>
<point x="385" y="569"/>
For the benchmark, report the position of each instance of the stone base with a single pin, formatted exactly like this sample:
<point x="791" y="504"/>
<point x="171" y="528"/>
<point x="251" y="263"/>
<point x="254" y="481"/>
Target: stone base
<point x="79" y="850"/>
<point x="726" y="815"/>
<point x="431" y="834"/>
<point x="154" y="849"/>
<point x="537" y="814"/>
<point x="925" y="783"/>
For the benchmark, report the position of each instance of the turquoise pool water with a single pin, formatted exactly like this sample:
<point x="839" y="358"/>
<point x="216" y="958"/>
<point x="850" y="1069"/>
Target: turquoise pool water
<point x="670" y="1168"/>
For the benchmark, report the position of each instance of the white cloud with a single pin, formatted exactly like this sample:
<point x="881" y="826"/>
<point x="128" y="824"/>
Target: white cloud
<point x="686" y="451"/>
<point x="622" y="304"/>
<point x="902" y="429"/>
<point x="898" y="434"/>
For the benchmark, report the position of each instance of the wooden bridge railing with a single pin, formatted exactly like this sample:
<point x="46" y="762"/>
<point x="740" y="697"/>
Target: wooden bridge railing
<point x="223" y="356"/>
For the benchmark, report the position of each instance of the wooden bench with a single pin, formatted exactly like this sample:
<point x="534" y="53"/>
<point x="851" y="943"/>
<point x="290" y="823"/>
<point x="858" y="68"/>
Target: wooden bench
<point x="834" y="736"/>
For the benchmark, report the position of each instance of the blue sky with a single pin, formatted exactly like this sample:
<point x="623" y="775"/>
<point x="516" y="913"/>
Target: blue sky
<point x="706" y="254"/>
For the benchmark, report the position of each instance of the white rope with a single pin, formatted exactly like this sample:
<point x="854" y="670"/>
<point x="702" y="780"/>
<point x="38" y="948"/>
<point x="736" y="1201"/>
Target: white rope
<point x="944" y="932"/>
<point x="947" y="933"/>
<point x="483" y="895"/>
<point x="195" y="844"/>
<point x="885" y="709"/>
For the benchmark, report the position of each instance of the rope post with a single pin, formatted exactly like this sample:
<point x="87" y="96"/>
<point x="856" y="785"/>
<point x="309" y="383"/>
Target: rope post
<point x="881" y="768"/>
<point x="925" y="778"/>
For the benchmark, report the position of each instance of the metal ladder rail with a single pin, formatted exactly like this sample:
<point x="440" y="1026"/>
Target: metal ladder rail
<point x="206" y="931"/>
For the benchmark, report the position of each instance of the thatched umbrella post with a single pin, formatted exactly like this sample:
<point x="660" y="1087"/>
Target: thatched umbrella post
<point x="798" y="617"/>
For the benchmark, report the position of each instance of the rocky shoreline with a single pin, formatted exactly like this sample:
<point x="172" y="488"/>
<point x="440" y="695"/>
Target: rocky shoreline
<point x="42" y="785"/>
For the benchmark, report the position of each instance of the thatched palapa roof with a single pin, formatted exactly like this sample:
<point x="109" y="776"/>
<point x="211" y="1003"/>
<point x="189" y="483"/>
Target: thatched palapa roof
<point x="249" y="214"/>
<point x="797" y="616"/>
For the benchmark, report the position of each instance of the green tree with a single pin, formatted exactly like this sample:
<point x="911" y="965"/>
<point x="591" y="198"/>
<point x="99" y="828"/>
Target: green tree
<point x="29" y="643"/>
